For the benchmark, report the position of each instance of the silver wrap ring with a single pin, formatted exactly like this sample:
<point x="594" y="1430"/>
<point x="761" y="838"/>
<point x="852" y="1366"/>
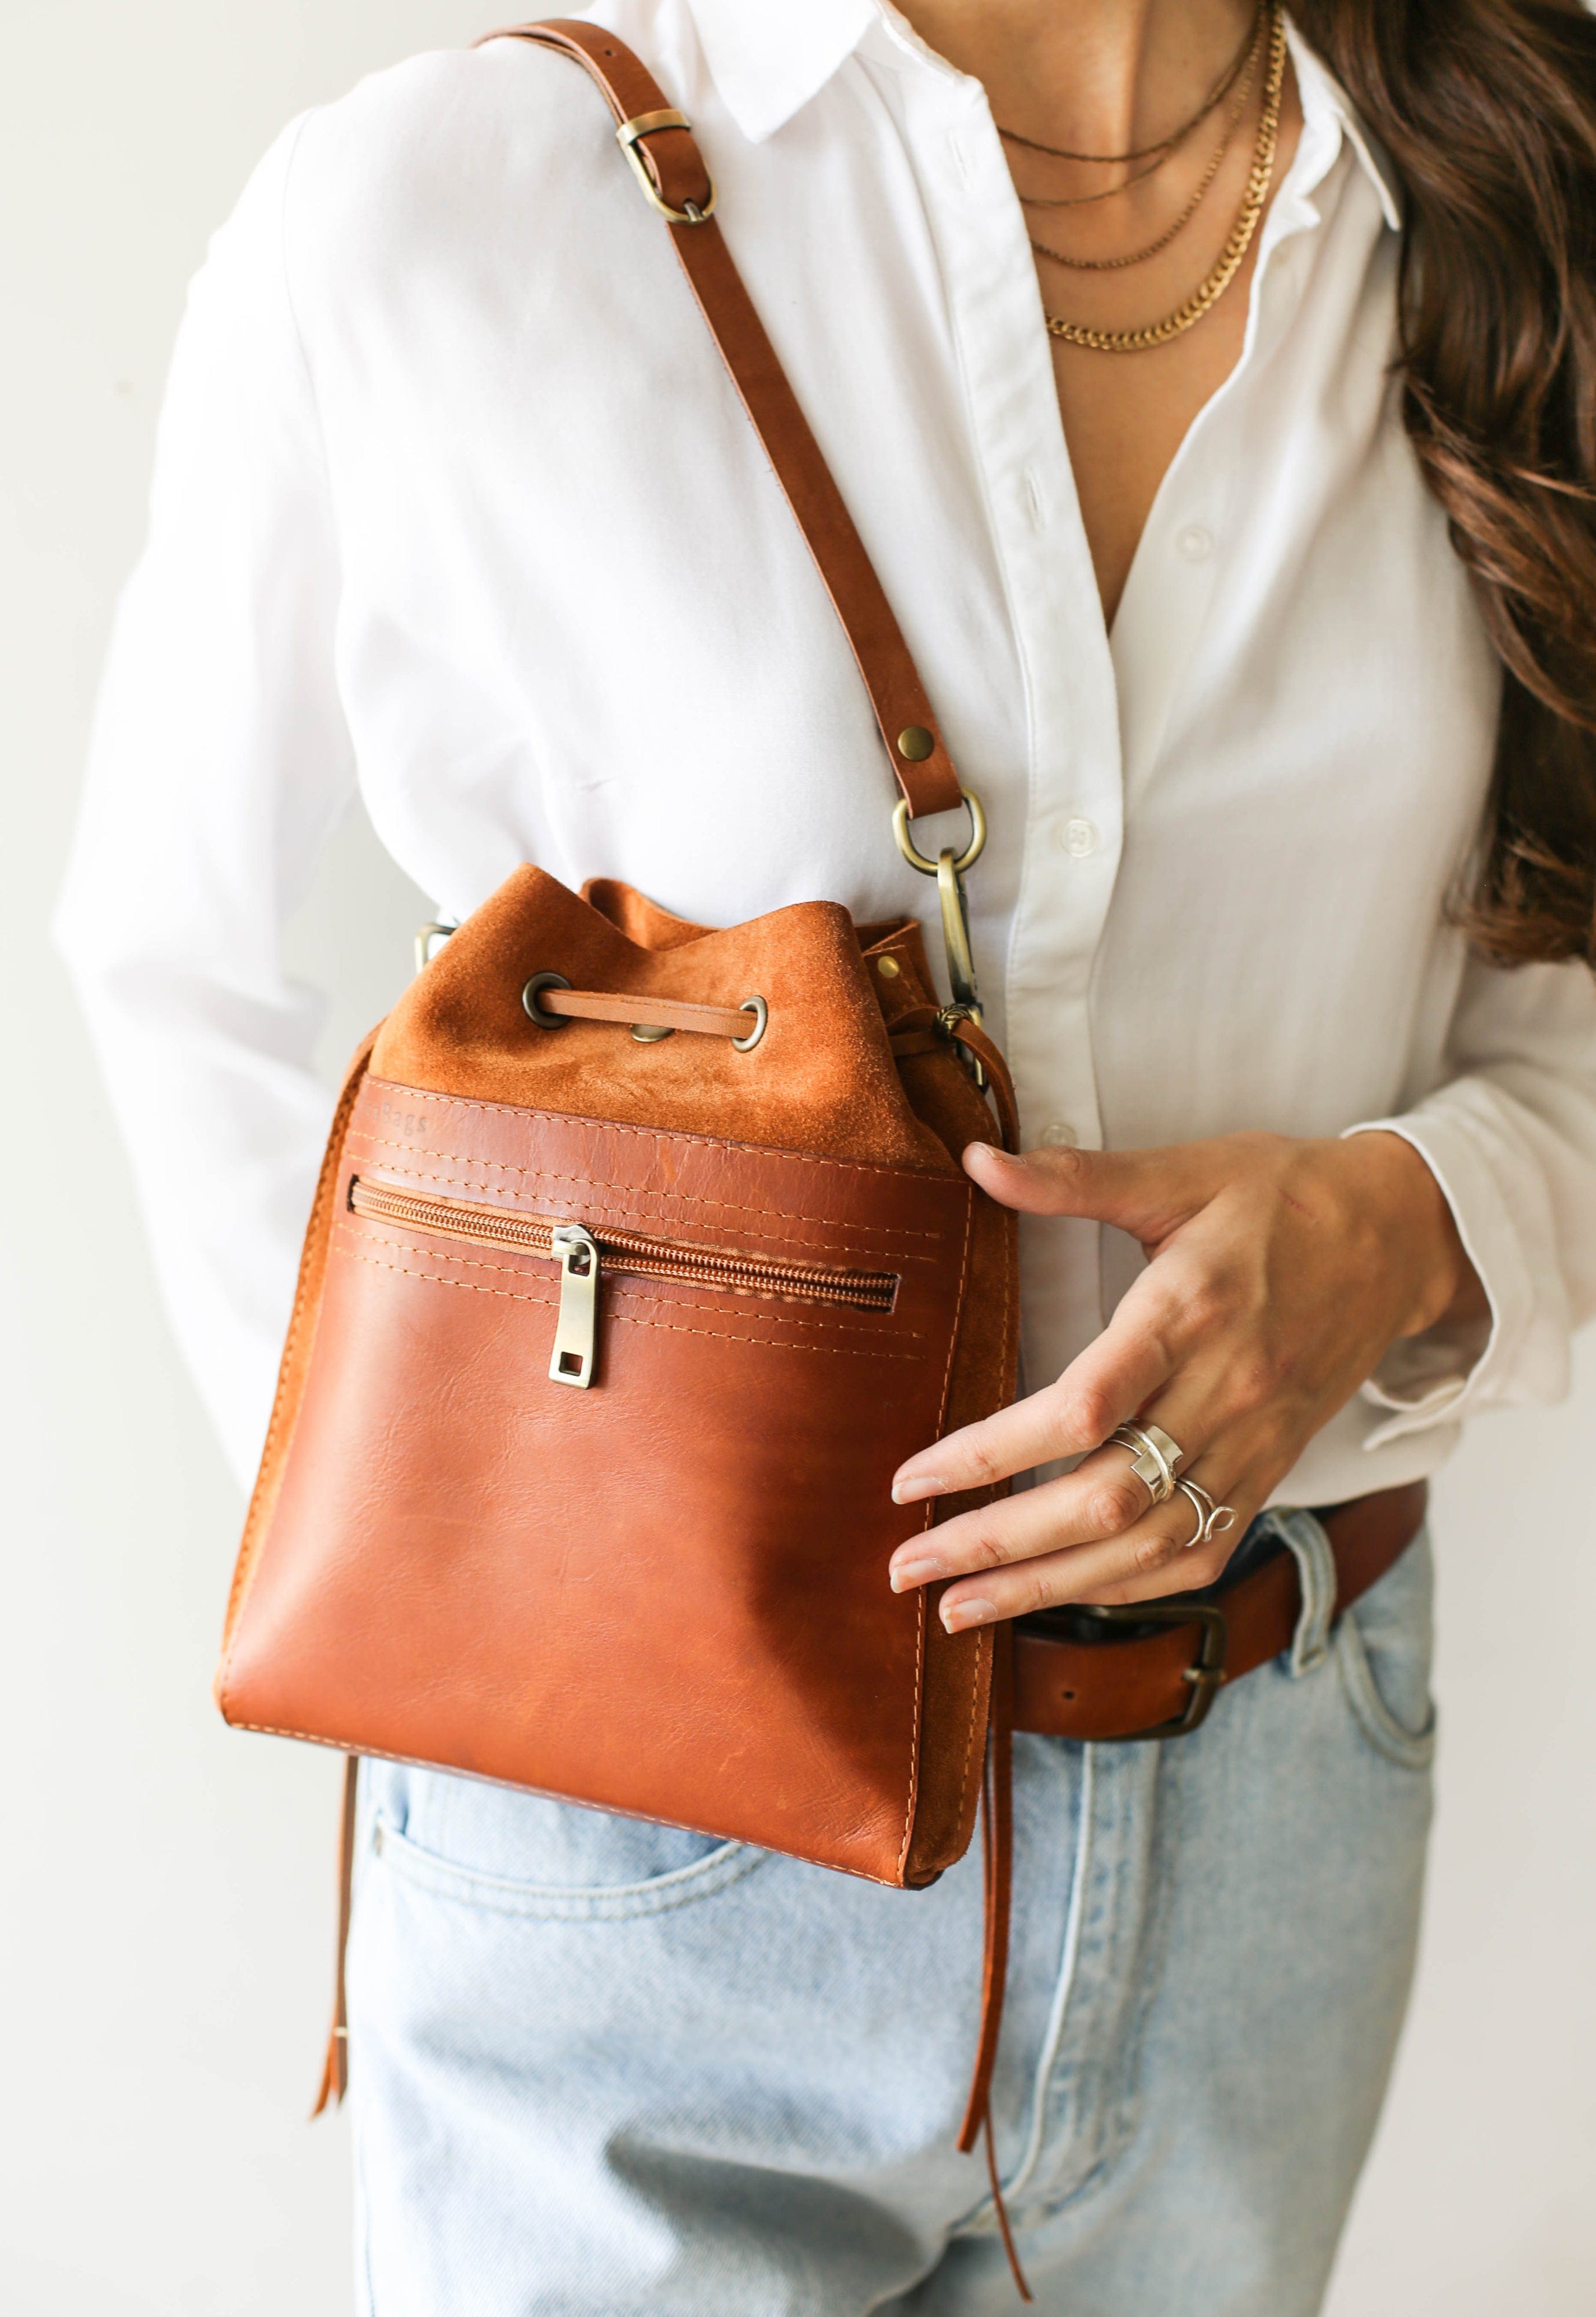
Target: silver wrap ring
<point x="1213" y="1519"/>
<point x="1155" y="1458"/>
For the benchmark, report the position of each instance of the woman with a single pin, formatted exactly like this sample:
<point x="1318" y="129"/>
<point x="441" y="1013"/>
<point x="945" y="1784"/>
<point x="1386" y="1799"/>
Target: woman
<point x="1272" y="666"/>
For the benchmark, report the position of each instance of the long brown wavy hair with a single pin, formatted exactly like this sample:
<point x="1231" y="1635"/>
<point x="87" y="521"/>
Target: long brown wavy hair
<point x="1487" y="109"/>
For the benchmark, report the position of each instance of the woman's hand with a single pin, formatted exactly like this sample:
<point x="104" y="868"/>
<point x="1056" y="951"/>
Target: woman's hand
<point x="1281" y="1273"/>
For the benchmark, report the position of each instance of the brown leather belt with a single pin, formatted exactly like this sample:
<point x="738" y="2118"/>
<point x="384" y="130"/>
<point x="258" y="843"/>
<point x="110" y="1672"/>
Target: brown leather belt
<point x="1161" y="1685"/>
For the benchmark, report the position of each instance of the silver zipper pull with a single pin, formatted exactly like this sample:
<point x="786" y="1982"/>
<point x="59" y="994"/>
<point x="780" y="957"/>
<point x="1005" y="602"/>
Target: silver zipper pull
<point x="576" y="1338"/>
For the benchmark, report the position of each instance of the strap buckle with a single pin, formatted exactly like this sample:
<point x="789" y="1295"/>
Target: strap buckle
<point x="648" y="124"/>
<point x="1206" y="1673"/>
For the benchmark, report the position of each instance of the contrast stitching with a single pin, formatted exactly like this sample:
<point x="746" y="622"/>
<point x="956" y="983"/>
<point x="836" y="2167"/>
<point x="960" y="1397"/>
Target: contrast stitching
<point x="420" y="1762"/>
<point x="991" y="1494"/>
<point x="633" y="1193"/>
<point x="914" y="1743"/>
<point x="444" y="1885"/>
<point x="976" y="1682"/>
<point x="970" y="1732"/>
<point x="621" y="1294"/>
<point x="651" y="1134"/>
<point x="249" y="1549"/>
<point x="721" y="1335"/>
<point x="629" y="1190"/>
<point x="459" y="1883"/>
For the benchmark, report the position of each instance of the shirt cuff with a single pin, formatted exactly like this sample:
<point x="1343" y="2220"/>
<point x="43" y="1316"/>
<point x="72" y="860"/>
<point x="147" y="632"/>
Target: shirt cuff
<point x="1521" y="1352"/>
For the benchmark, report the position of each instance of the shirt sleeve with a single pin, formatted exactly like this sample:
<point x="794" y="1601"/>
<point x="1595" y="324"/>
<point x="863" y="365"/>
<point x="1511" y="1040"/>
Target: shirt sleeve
<point x="220" y="762"/>
<point x="1511" y="1140"/>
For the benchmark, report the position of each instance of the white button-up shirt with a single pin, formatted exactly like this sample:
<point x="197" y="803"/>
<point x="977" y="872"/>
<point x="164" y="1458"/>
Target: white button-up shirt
<point x="453" y="500"/>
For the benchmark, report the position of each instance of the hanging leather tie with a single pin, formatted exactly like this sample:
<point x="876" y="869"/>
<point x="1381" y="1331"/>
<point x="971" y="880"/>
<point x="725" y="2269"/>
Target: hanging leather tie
<point x="335" y="2074"/>
<point x="997" y="1833"/>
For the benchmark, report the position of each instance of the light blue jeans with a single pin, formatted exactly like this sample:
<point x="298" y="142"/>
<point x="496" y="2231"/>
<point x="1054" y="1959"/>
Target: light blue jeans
<point x="601" y="2069"/>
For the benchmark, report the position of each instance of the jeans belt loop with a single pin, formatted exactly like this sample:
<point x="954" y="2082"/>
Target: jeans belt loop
<point x="1316" y="1575"/>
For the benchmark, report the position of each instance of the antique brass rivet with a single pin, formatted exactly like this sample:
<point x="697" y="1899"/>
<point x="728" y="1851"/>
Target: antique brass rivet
<point x="915" y="743"/>
<point x="888" y="968"/>
<point x="649" y="1034"/>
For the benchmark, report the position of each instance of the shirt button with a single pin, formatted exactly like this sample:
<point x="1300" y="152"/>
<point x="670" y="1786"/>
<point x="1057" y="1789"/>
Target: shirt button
<point x="1194" y="542"/>
<point x="1058" y="1135"/>
<point x="1079" y="837"/>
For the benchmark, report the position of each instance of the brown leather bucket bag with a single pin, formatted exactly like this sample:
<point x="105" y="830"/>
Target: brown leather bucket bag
<point x="642" y="1256"/>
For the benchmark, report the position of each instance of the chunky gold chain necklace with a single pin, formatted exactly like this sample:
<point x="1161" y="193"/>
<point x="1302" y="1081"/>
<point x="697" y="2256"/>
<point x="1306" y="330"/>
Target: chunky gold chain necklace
<point x="1208" y="293"/>
<point x="1140" y="256"/>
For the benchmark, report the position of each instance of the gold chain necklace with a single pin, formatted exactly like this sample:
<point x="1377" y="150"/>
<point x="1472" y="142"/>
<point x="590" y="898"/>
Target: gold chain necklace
<point x="1208" y="292"/>
<point x="1087" y="200"/>
<point x="1165" y="145"/>
<point x="1140" y="256"/>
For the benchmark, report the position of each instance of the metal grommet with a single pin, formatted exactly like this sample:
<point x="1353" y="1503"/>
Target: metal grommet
<point x="761" y="1013"/>
<point x="529" y="997"/>
<point x="651" y="1033"/>
<point x="916" y="744"/>
<point x="917" y="859"/>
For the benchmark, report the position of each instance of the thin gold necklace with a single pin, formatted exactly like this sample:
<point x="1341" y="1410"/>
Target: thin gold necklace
<point x="1140" y="256"/>
<point x="1165" y="145"/>
<point x="1086" y="200"/>
<point x="1208" y="292"/>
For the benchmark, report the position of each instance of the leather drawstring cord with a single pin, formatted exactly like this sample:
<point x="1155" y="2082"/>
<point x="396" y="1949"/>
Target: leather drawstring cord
<point x="997" y="1848"/>
<point x="335" y="2074"/>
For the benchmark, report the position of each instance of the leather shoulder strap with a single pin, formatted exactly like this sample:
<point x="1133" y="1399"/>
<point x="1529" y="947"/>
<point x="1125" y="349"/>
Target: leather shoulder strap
<point x="667" y="160"/>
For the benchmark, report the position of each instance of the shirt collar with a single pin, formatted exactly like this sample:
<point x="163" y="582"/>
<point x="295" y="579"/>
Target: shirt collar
<point x="1329" y="122"/>
<point x="768" y="58"/>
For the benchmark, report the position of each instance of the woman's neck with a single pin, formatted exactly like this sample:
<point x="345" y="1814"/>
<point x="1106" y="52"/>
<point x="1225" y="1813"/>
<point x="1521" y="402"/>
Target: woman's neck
<point x="1099" y="76"/>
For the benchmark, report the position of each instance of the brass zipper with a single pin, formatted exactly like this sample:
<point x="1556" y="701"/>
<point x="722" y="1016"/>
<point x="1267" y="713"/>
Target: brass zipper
<point x="581" y="1253"/>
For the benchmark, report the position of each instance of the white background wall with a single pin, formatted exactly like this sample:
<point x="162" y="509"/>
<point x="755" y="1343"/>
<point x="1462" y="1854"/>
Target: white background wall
<point x="165" y="1886"/>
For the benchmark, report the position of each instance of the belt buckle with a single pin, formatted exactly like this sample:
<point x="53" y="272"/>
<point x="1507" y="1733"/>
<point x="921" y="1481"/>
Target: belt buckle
<point x="1206" y="1673"/>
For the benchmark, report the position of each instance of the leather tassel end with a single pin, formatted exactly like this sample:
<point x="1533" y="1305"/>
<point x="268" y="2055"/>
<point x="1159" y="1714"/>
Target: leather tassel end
<point x="335" y="2073"/>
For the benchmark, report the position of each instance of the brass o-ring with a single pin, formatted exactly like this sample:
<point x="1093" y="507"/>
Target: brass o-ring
<point x="917" y="859"/>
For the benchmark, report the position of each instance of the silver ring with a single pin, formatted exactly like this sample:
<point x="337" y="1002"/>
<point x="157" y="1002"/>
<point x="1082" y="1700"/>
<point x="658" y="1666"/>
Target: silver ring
<point x="1213" y="1519"/>
<point x="1155" y="1458"/>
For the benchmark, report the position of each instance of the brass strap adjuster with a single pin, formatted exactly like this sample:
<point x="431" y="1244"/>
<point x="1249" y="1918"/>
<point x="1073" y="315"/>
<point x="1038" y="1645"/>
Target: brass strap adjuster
<point x="648" y="124"/>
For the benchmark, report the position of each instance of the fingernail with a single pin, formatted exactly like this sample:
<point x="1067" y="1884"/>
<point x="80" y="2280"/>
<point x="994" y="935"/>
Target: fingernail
<point x="959" y="1615"/>
<point x="906" y="1574"/>
<point x="923" y="1484"/>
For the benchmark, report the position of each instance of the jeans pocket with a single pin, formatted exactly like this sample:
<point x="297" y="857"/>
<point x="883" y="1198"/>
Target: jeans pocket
<point x="1383" y="1648"/>
<point x="530" y="1855"/>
